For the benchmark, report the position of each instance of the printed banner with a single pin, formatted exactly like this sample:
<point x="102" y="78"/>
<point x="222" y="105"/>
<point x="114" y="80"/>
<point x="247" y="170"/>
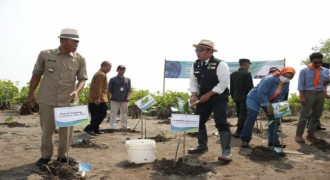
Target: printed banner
<point x="258" y="69"/>
<point x="281" y="109"/>
<point x="177" y="69"/>
<point x="145" y="102"/>
<point x="185" y="122"/>
<point x="71" y="116"/>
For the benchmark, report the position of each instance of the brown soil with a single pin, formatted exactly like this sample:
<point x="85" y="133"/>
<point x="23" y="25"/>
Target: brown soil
<point x="57" y="170"/>
<point x="182" y="167"/>
<point x="322" y="145"/>
<point x="261" y="153"/>
<point x="160" y="138"/>
<point x="194" y="134"/>
<point x="87" y="143"/>
<point x="1" y="133"/>
<point x="119" y="130"/>
<point x="20" y="149"/>
<point x="167" y="121"/>
<point x="14" y="124"/>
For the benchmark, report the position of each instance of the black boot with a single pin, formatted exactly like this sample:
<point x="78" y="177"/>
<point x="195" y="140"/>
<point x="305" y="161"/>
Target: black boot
<point x="202" y="143"/>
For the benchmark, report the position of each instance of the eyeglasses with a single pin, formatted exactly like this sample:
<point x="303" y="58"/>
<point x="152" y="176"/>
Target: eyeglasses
<point x="318" y="62"/>
<point x="200" y="49"/>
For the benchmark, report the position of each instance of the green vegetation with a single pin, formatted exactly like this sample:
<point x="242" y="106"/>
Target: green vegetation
<point x="324" y="48"/>
<point x="9" y="120"/>
<point x="9" y="94"/>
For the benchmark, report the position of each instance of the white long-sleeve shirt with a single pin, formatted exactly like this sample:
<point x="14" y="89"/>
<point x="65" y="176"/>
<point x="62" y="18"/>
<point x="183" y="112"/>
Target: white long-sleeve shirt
<point x="223" y="74"/>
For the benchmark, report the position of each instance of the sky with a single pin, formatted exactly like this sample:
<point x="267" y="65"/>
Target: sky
<point x="141" y="34"/>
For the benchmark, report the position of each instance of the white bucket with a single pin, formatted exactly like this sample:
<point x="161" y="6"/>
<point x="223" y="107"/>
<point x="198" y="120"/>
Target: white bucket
<point x="141" y="150"/>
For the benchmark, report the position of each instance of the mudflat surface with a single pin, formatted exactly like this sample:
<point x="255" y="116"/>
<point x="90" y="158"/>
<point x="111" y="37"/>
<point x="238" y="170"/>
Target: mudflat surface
<point x="20" y="149"/>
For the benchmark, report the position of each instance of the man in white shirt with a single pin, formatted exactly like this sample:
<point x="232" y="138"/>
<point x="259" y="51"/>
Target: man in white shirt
<point x="209" y="81"/>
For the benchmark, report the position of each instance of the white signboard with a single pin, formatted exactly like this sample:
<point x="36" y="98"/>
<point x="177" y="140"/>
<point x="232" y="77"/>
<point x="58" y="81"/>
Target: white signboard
<point x="71" y="116"/>
<point x="281" y="109"/>
<point x="184" y="122"/>
<point x="145" y="102"/>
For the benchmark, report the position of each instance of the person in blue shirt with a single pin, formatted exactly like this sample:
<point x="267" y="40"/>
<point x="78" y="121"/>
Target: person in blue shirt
<point x="311" y="85"/>
<point x="271" y="89"/>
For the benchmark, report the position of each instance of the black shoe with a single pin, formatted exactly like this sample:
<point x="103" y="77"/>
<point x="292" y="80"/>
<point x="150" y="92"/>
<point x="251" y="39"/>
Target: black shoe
<point x="320" y="127"/>
<point x="276" y="145"/>
<point x="92" y="133"/>
<point x="236" y="134"/>
<point x="197" y="150"/>
<point x="42" y="161"/>
<point x="64" y="160"/>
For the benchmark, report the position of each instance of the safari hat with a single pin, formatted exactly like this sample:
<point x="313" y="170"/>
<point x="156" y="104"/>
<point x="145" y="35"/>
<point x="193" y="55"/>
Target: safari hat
<point x="69" y="34"/>
<point x="205" y="44"/>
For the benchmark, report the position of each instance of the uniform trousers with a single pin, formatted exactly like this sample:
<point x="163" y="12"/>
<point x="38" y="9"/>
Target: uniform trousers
<point x="314" y="104"/>
<point x="122" y="107"/>
<point x="47" y="123"/>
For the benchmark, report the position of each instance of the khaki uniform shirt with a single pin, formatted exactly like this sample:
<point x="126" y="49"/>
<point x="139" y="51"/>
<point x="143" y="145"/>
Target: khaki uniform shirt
<point x="60" y="72"/>
<point x="99" y="88"/>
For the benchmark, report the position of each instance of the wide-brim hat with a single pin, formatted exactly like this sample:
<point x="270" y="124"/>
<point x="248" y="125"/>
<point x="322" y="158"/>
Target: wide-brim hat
<point x="206" y="44"/>
<point x="69" y="34"/>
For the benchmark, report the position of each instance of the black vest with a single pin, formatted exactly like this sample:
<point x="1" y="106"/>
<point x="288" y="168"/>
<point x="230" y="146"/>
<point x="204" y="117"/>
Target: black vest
<point x="207" y="76"/>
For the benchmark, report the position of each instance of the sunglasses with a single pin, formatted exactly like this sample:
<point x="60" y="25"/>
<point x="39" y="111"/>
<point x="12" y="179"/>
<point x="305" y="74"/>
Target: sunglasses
<point x="200" y="49"/>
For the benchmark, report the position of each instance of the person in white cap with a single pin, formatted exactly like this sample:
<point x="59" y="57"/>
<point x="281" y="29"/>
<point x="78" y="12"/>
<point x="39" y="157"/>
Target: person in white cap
<point x="59" y="69"/>
<point x="209" y="81"/>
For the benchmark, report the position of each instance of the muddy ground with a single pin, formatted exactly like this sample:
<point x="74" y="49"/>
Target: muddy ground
<point x="19" y="147"/>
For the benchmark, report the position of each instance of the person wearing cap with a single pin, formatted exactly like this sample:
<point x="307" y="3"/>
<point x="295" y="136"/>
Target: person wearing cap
<point x="98" y="99"/>
<point x="271" y="89"/>
<point x="273" y="70"/>
<point x="119" y="91"/>
<point x="209" y="81"/>
<point x="59" y="69"/>
<point x="311" y="85"/>
<point x="240" y="84"/>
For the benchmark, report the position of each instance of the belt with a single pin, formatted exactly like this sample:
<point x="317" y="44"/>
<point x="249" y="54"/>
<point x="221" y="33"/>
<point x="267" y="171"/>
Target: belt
<point x="314" y="92"/>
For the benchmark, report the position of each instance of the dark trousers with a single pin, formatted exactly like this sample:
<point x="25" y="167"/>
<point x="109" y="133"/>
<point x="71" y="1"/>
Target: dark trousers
<point x="237" y="109"/>
<point x="241" y="114"/>
<point x="98" y="113"/>
<point x="217" y="105"/>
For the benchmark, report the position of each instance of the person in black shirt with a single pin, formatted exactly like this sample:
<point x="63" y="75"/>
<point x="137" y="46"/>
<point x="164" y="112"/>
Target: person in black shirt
<point x="240" y="84"/>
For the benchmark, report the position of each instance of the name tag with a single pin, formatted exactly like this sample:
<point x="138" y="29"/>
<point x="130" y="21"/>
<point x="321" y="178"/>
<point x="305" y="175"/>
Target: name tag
<point x="121" y="88"/>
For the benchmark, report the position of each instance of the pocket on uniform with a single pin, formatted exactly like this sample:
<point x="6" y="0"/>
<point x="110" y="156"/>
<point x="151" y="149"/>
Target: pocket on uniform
<point x="70" y="74"/>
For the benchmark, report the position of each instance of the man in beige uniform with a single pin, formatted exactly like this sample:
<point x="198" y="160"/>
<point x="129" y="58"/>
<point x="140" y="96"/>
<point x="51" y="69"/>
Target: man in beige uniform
<point x="60" y="68"/>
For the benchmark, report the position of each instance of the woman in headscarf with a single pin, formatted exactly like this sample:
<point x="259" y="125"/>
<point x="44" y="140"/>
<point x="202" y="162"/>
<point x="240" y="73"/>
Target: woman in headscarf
<point x="271" y="89"/>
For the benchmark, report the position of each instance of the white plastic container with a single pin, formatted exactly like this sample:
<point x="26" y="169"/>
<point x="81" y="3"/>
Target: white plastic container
<point x="141" y="150"/>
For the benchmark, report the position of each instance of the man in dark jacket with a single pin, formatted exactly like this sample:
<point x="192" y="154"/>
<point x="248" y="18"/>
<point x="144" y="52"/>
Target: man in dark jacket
<point x="240" y="84"/>
<point x="209" y="81"/>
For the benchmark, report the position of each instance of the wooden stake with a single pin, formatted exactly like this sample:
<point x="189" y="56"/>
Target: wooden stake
<point x="177" y="149"/>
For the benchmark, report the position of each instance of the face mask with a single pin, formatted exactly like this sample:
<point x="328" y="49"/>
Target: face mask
<point x="284" y="79"/>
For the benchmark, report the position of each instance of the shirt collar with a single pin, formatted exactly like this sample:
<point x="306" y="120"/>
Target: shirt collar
<point x="58" y="51"/>
<point x="206" y="61"/>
